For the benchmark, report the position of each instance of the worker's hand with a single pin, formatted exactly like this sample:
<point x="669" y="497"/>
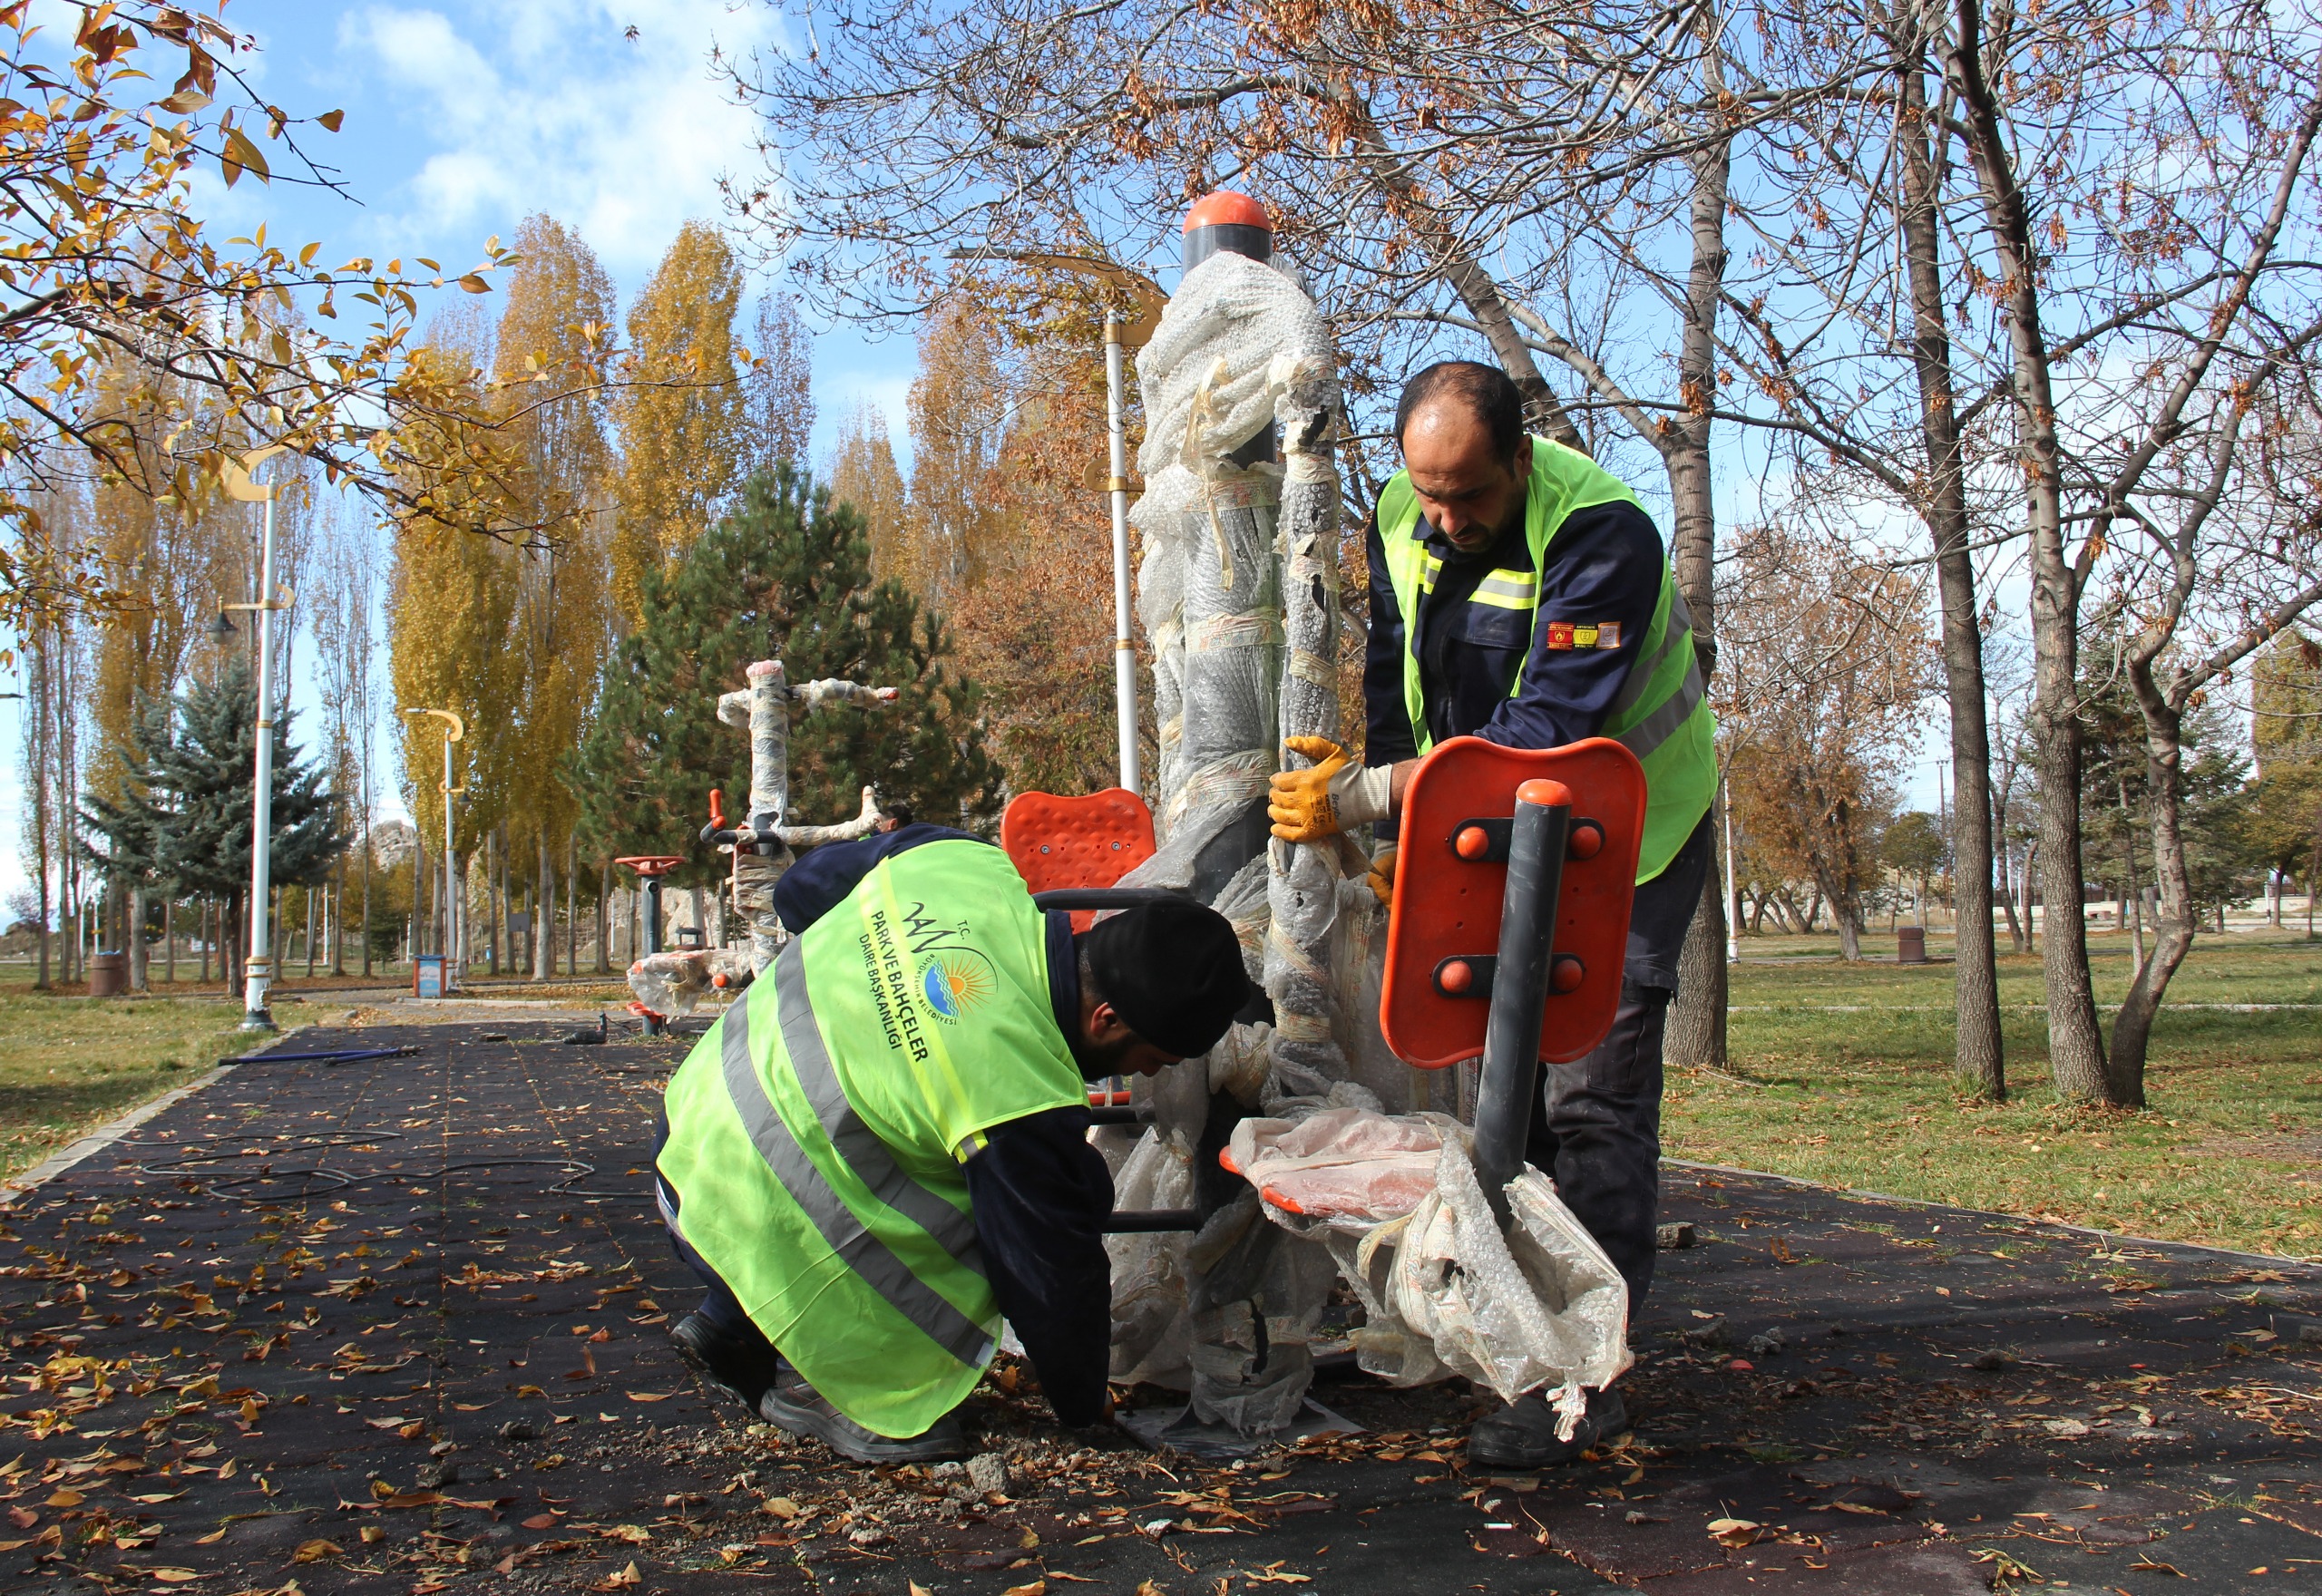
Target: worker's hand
<point x="1381" y="879"/>
<point x="1307" y="805"/>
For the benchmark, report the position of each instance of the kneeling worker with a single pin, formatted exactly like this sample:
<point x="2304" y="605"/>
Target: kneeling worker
<point x="1520" y="594"/>
<point x="881" y="1150"/>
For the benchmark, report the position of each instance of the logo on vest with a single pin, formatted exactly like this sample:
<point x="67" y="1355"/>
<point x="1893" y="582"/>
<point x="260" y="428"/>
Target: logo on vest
<point x="955" y="980"/>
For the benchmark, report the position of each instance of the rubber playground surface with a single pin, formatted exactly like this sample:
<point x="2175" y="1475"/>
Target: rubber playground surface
<point x="396" y="1325"/>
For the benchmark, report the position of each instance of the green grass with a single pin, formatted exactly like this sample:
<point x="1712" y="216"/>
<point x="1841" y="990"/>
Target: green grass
<point x="67" y="1064"/>
<point x="2229" y="1154"/>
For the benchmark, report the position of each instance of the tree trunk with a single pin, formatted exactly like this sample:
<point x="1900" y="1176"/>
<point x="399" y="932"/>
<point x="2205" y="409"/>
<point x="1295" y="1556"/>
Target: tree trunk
<point x="572" y="907"/>
<point x="1695" y="1036"/>
<point x="1979" y="1067"/>
<point x="169" y="941"/>
<point x="366" y="900"/>
<point x="310" y="933"/>
<point x="420" y="876"/>
<point x="2173" y="935"/>
<point x="544" y="913"/>
<point x="140" y="959"/>
<point x="2075" y="1040"/>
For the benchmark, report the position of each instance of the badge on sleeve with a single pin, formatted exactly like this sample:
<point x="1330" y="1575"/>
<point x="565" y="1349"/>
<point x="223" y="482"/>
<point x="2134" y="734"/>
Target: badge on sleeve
<point x="1560" y="634"/>
<point x="1608" y="633"/>
<point x="1584" y="635"/>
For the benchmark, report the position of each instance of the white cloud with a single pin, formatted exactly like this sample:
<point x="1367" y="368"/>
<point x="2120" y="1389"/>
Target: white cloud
<point x="537" y="106"/>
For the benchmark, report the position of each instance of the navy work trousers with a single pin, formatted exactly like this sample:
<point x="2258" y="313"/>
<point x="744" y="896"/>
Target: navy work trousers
<point x="1597" y="1124"/>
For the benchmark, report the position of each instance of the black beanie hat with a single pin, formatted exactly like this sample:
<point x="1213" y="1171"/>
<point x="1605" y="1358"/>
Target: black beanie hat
<point x="1172" y="970"/>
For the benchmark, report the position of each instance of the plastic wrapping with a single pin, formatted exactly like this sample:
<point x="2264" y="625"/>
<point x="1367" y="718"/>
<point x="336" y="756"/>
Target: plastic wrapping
<point x="672" y="983"/>
<point x="1349" y="1169"/>
<point x="1541" y="1308"/>
<point x="1151" y="1336"/>
<point x="1239" y="594"/>
<point x="1396" y="1201"/>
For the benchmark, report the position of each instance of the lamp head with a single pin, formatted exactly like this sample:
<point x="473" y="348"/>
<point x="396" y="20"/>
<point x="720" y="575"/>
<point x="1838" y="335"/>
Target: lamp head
<point x="222" y="630"/>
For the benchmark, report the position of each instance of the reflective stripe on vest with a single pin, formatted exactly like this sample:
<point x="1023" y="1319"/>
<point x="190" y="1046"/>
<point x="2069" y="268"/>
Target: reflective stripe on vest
<point x="864" y="1254"/>
<point x="1659" y="715"/>
<point x="816" y="1133"/>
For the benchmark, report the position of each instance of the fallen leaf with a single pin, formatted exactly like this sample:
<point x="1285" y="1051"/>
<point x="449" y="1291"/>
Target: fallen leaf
<point x="152" y="1501"/>
<point x="211" y="1538"/>
<point x="1036" y="1588"/>
<point x="529" y="1391"/>
<point x="171" y="1576"/>
<point x="1781" y="1251"/>
<point x="1734" y="1532"/>
<point x="65" y="1497"/>
<point x="24" y="1518"/>
<point x="919" y="1590"/>
<point x="635" y="1534"/>
<point x="541" y="1521"/>
<point x="651" y="1396"/>
<point x="781" y="1507"/>
<point x="316" y="1551"/>
<point x="627" y="1576"/>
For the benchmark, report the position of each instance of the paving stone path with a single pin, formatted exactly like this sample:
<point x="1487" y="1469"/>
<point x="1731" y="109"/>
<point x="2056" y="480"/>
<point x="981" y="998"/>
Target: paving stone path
<point x="397" y="1326"/>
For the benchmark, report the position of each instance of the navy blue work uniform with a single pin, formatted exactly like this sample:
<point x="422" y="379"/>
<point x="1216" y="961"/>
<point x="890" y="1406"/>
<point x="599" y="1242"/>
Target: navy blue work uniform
<point x="1596" y="1129"/>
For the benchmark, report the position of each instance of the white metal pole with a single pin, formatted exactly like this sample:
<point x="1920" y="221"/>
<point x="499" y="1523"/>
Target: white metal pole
<point x="258" y="968"/>
<point x="1123" y="638"/>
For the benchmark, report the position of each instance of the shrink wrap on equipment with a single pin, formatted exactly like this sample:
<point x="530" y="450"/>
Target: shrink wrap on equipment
<point x="1396" y="1199"/>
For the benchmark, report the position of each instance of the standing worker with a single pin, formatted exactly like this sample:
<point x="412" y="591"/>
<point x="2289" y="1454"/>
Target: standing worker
<point x="1519" y="593"/>
<point x="882" y="1148"/>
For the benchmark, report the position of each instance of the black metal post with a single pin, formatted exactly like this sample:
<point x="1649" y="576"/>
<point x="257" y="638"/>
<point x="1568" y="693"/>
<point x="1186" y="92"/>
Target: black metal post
<point x="1519" y="989"/>
<point x="652" y="936"/>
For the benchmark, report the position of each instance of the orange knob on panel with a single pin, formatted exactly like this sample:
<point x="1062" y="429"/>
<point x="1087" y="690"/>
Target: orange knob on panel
<point x="1565" y="972"/>
<point x="1456" y="977"/>
<point x="1472" y="842"/>
<point x="1585" y="841"/>
<point x="1540" y="790"/>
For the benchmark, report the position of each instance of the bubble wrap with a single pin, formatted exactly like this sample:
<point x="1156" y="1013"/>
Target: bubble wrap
<point x="1239" y="594"/>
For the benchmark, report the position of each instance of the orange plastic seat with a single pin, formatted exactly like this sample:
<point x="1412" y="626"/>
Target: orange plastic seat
<point x="1055" y="841"/>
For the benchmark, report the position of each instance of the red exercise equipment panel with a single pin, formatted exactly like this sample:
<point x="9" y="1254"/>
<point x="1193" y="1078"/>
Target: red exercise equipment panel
<point x="1446" y="905"/>
<point x="1093" y="842"/>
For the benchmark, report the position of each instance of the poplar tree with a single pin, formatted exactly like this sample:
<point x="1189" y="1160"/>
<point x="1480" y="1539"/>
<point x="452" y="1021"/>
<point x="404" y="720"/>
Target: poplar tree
<point x="786" y="575"/>
<point x="685" y="428"/>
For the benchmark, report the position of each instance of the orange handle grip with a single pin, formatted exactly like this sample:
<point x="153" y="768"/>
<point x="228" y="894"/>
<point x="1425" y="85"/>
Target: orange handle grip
<point x="717" y="808"/>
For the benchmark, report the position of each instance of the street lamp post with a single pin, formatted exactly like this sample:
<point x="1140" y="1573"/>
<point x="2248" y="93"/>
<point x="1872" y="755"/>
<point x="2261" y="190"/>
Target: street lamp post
<point x="258" y="968"/>
<point x="448" y="935"/>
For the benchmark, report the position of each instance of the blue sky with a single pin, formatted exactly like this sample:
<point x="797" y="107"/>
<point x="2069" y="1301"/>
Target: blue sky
<point x="462" y="119"/>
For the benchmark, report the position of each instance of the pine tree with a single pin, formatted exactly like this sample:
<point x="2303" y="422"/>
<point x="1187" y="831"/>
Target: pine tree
<point x="183" y="812"/>
<point x="786" y="575"/>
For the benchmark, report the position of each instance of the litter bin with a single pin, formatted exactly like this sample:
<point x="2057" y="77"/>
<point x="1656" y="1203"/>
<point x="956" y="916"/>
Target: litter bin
<point x="1910" y="945"/>
<point x="427" y="976"/>
<point x="108" y="974"/>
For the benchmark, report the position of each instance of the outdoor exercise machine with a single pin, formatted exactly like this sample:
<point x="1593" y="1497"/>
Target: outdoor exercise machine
<point x="763" y="845"/>
<point x="1517" y="872"/>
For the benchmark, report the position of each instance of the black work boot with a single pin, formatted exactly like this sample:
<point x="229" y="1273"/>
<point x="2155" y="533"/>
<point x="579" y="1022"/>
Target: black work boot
<point x="1523" y="1435"/>
<point x="790" y="1404"/>
<point x="746" y="1364"/>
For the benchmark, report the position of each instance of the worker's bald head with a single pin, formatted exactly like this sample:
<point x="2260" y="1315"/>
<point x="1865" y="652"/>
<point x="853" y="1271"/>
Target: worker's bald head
<point x="1462" y="428"/>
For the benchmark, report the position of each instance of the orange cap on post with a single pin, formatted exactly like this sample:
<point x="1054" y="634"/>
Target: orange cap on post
<point x="1227" y="208"/>
<point x="1226" y="223"/>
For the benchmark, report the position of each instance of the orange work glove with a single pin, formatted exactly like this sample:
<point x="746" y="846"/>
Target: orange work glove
<point x="1307" y="805"/>
<point x="1381" y="879"/>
